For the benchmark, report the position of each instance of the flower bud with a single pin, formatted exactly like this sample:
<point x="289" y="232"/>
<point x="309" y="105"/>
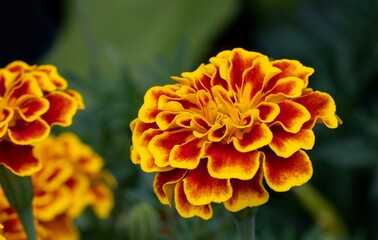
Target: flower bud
<point x="143" y="222"/>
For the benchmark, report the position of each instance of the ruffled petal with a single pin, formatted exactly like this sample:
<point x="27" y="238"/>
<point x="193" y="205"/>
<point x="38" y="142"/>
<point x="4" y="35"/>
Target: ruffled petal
<point x="188" y="154"/>
<point x="161" y="145"/>
<point x="27" y="133"/>
<point x="240" y="60"/>
<point x="48" y="205"/>
<point x="33" y="108"/>
<point x="259" y="136"/>
<point x="54" y="77"/>
<point x="78" y="98"/>
<point x="281" y="174"/>
<point x="322" y="108"/>
<point x="292" y="116"/>
<point x="291" y="68"/>
<point x="19" y="159"/>
<point x="147" y="161"/>
<point x="268" y="111"/>
<point x="62" y="109"/>
<point x="249" y="193"/>
<point x="225" y="162"/>
<point x="289" y="87"/>
<point x="147" y="113"/>
<point x="6" y="114"/>
<point x="26" y="87"/>
<point x="285" y="144"/>
<point x="201" y="189"/>
<point x="165" y="182"/>
<point x="103" y="200"/>
<point x="188" y="210"/>
<point x="255" y="79"/>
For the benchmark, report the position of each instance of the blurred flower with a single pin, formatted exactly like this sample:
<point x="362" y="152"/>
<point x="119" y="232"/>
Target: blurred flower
<point x="32" y="99"/>
<point x="217" y="133"/>
<point x="71" y="179"/>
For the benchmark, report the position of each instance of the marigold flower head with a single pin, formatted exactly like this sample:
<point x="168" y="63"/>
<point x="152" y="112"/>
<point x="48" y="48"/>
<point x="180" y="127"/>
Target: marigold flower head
<point x="32" y="99"/>
<point x="215" y="135"/>
<point x="71" y="178"/>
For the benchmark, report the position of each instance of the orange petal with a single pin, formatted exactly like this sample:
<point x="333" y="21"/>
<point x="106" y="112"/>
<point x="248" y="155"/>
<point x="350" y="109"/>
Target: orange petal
<point x="186" y="209"/>
<point x="28" y="133"/>
<point x="103" y="200"/>
<point x="217" y="132"/>
<point x="138" y="128"/>
<point x="284" y="144"/>
<point x="288" y="87"/>
<point x="44" y="81"/>
<point x="322" y="108"/>
<point x="7" y="78"/>
<point x="78" y="98"/>
<point x="291" y="68"/>
<point x="33" y="108"/>
<point x="256" y="77"/>
<point x="147" y="113"/>
<point x="19" y="159"/>
<point x="292" y="116"/>
<point x="147" y="160"/>
<point x="62" y="109"/>
<point x="165" y="182"/>
<point x="3" y="130"/>
<point x="48" y="205"/>
<point x="28" y="86"/>
<point x="201" y="189"/>
<point x="53" y="75"/>
<point x="188" y="154"/>
<point x="6" y="114"/>
<point x="268" y="111"/>
<point x="259" y="136"/>
<point x="161" y="145"/>
<point x="281" y="174"/>
<point x="240" y="60"/>
<point x="250" y="193"/>
<point x="225" y="162"/>
<point x="61" y="228"/>
<point x="18" y="66"/>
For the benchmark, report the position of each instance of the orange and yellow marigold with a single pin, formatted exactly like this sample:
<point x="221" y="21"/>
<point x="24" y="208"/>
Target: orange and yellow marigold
<point x="215" y="135"/>
<point x="71" y="179"/>
<point x="32" y="99"/>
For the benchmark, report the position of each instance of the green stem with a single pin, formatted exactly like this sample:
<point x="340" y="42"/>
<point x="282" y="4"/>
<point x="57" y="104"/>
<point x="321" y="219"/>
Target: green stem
<point x="245" y="223"/>
<point x="19" y="192"/>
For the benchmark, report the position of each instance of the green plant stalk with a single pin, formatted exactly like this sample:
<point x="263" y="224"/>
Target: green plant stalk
<point x="19" y="192"/>
<point x="322" y="210"/>
<point x="245" y="223"/>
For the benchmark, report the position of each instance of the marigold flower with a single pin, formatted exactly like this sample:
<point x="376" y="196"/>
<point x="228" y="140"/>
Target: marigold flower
<point x="71" y="179"/>
<point x="32" y="99"/>
<point x="215" y="135"/>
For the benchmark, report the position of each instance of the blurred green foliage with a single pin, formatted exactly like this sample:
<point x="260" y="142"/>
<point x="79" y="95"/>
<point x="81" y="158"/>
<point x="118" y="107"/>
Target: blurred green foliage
<point x="112" y="51"/>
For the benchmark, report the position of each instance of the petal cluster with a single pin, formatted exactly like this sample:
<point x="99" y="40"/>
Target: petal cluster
<point x="222" y="130"/>
<point x="32" y="99"/>
<point x="71" y="178"/>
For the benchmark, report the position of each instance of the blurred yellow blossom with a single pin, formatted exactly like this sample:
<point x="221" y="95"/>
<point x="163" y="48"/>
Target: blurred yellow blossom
<point x="71" y="179"/>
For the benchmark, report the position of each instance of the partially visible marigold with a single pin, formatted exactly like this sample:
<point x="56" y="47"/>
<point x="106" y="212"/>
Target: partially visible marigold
<point x="32" y="99"/>
<point x="71" y="178"/>
<point x="219" y="131"/>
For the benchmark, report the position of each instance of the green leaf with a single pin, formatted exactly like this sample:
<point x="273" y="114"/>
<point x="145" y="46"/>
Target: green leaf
<point x="19" y="192"/>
